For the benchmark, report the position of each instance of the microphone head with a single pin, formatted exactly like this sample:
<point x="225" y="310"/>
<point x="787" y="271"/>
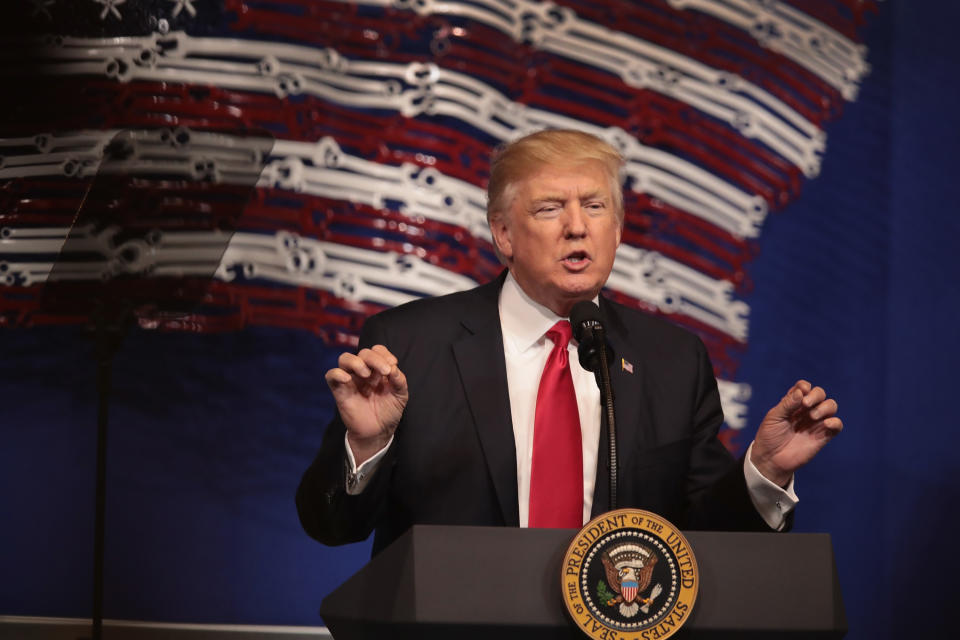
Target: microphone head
<point x="588" y="330"/>
<point x="584" y="316"/>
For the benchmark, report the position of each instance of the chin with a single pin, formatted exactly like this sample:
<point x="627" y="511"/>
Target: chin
<point x="579" y="294"/>
<point x="579" y="284"/>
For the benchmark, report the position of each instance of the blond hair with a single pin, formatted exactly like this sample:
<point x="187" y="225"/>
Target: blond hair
<point x="515" y="161"/>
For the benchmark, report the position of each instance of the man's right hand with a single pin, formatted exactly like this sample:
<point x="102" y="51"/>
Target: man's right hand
<point x="371" y="394"/>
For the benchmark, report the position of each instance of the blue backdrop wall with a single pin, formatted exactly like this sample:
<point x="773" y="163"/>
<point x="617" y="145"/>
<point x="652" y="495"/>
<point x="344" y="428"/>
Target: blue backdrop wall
<point x="854" y="286"/>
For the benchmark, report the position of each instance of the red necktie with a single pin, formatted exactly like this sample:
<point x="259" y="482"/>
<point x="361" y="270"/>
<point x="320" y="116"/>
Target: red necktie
<point x="556" y="473"/>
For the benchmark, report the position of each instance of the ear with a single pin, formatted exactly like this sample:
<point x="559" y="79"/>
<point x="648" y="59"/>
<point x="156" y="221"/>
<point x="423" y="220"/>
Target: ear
<point x="501" y="236"/>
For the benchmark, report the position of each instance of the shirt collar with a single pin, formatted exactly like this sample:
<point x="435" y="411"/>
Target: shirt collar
<point x="524" y="322"/>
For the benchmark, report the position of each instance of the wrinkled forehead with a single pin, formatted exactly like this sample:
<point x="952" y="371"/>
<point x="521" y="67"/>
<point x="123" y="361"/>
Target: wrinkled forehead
<point x="562" y="180"/>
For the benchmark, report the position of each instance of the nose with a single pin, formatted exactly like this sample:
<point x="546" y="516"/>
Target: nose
<point x="576" y="226"/>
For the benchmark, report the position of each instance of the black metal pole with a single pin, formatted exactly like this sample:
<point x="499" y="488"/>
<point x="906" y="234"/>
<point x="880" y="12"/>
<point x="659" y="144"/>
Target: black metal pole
<point x="104" y="370"/>
<point x="606" y="412"/>
<point x="109" y="332"/>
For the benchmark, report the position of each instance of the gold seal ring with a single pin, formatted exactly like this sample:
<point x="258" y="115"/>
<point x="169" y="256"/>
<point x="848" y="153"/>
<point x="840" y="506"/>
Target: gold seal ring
<point x="629" y="574"/>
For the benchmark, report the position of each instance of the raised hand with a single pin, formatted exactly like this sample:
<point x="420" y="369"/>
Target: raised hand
<point x="371" y="394"/>
<point x="794" y="431"/>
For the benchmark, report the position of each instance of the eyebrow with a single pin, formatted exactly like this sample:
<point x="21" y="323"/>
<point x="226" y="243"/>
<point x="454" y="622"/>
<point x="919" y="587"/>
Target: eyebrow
<point x="549" y="198"/>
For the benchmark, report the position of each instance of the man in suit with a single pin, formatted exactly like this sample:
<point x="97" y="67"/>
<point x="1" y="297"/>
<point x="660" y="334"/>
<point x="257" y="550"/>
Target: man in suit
<point x="440" y="413"/>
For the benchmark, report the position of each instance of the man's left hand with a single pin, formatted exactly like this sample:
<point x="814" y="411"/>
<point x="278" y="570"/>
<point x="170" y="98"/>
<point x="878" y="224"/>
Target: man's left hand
<point x="794" y="431"/>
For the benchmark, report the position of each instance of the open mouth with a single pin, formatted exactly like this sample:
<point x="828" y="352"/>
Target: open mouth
<point x="576" y="259"/>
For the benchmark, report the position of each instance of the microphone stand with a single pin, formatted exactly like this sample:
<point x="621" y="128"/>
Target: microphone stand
<point x="602" y="374"/>
<point x="592" y="351"/>
<point x="109" y="330"/>
<point x="105" y="268"/>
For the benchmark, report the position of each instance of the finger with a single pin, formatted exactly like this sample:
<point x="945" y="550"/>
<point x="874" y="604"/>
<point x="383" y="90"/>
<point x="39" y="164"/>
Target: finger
<point x="377" y="361"/>
<point x="834" y="425"/>
<point x="353" y="365"/>
<point x="362" y="369"/>
<point x="369" y="385"/>
<point x="337" y="376"/>
<point x="827" y="428"/>
<point x="814" y="397"/>
<point x="383" y="351"/>
<point x="340" y="380"/>
<point x="803" y="385"/>
<point x="788" y="404"/>
<point x="825" y="409"/>
<point x="397" y="380"/>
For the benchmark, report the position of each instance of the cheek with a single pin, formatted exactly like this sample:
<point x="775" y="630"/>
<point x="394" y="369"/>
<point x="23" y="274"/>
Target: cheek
<point x="608" y="246"/>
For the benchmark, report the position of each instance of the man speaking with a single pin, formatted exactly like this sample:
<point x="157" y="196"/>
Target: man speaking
<point x="472" y="408"/>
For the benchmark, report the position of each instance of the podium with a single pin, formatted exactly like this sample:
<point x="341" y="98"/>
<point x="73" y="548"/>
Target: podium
<point x="501" y="583"/>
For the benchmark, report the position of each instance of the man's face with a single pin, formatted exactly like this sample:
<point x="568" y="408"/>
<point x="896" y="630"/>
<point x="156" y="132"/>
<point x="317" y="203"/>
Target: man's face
<point x="560" y="234"/>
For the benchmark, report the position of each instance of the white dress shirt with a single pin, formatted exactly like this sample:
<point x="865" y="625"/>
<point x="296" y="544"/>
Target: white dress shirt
<point x="524" y="324"/>
<point x="525" y="348"/>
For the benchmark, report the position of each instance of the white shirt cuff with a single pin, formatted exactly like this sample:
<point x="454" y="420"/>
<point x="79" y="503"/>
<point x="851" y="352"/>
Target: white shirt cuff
<point x="359" y="477"/>
<point x="772" y="502"/>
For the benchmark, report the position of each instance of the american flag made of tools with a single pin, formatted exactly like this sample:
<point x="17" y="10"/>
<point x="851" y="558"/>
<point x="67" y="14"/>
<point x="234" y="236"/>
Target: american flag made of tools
<point x="364" y="130"/>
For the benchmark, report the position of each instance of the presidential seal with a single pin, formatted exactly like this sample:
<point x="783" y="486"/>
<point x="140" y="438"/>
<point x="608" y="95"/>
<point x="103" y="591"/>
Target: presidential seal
<point x="629" y="574"/>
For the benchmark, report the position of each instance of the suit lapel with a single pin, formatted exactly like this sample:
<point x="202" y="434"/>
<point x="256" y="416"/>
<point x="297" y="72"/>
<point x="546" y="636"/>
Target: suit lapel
<point x="627" y="403"/>
<point x="480" y="362"/>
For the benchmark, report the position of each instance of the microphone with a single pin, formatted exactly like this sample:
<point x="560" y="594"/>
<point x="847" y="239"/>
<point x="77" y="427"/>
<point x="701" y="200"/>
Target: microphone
<point x="594" y="356"/>
<point x="588" y="330"/>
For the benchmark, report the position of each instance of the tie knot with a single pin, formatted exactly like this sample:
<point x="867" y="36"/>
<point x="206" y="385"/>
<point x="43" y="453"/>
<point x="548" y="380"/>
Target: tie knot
<point x="560" y="333"/>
